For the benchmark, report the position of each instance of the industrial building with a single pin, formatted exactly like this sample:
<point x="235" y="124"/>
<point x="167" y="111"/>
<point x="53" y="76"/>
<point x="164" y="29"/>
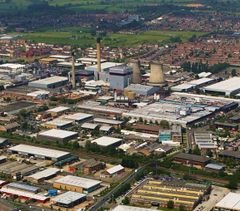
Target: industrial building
<point x="173" y="111"/>
<point x="142" y="90"/>
<point x="79" y="117"/>
<point x="69" y="199"/>
<point x="24" y="194"/>
<point x="39" y="152"/>
<point x="137" y="76"/>
<point x="49" y="83"/>
<point x="89" y="61"/>
<point x="113" y="171"/>
<point x="191" y="160"/>
<point x="120" y="77"/>
<point x="58" y="124"/>
<point x="58" y="135"/>
<point x="227" y="87"/>
<point x="77" y="184"/>
<point x="17" y="170"/>
<point x="156" y="75"/>
<point x="57" y="111"/>
<point x="23" y="187"/>
<point x="106" y="141"/>
<point x="159" y="193"/>
<point x="230" y="202"/>
<point x="112" y="122"/>
<point x="204" y="141"/>
<point x="43" y="175"/>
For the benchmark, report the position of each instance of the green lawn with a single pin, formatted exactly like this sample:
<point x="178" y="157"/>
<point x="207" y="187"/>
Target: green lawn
<point x="83" y="38"/>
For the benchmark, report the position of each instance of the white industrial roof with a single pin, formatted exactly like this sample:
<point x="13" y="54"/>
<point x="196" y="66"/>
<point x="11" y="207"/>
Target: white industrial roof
<point x="106" y="141"/>
<point x="59" y="122"/>
<point x="78" y="181"/>
<point x="115" y="169"/>
<point x="181" y="87"/>
<point x="85" y="59"/>
<point x="130" y="208"/>
<point x="105" y="65"/>
<point x="23" y="194"/>
<point x="68" y="197"/>
<point x="60" y="56"/>
<point x="226" y="86"/>
<point x="45" y="173"/>
<point x="58" y="109"/>
<point x="87" y="125"/>
<point x="204" y="74"/>
<point x="22" y="148"/>
<point x="200" y="81"/>
<point x="51" y="80"/>
<point x="12" y="66"/>
<point x="78" y="116"/>
<point x="69" y="64"/>
<point x="37" y="93"/>
<point x="108" y="121"/>
<point x="57" y="133"/>
<point x="231" y="201"/>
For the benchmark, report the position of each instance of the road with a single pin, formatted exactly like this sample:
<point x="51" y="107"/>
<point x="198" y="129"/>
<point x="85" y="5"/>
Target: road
<point x="109" y="195"/>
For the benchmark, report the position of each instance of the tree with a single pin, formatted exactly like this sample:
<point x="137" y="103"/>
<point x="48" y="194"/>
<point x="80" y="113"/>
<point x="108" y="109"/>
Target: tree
<point x="209" y="153"/>
<point x="170" y="204"/>
<point x="232" y="183"/>
<point x="164" y="124"/>
<point x="181" y="207"/>
<point x="196" y="150"/>
<point x="234" y="72"/>
<point x="125" y="201"/>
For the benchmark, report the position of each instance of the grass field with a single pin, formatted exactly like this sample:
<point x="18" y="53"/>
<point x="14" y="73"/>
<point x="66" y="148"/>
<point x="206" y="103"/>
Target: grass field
<point x="85" y="39"/>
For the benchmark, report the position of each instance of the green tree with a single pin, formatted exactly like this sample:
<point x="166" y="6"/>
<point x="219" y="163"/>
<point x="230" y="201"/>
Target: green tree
<point x="164" y="124"/>
<point x="181" y="207"/>
<point x="232" y="183"/>
<point x="196" y="150"/>
<point x="170" y="204"/>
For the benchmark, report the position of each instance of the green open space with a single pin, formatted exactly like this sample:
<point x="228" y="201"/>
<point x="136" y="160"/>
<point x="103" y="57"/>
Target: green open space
<point x="84" y="38"/>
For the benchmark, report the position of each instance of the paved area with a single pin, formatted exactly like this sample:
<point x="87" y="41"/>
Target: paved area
<point x="216" y="195"/>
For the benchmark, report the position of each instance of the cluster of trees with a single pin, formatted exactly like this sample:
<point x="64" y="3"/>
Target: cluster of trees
<point x="199" y="67"/>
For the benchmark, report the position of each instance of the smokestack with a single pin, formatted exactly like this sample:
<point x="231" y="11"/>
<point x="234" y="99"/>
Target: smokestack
<point x="137" y="77"/>
<point x="98" y="54"/>
<point x="73" y="71"/>
<point x="156" y="76"/>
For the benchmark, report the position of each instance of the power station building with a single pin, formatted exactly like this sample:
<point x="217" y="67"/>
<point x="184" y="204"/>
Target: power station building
<point x="120" y="77"/>
<point x="49" y="83"/>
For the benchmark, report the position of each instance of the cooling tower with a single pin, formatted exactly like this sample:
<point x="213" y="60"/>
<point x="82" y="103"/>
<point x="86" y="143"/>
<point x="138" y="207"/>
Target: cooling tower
<point x="98" y="54"/>
<point x="156" y="75"/>
<point x="137" y="77"/>
<point x="73" y="72"/>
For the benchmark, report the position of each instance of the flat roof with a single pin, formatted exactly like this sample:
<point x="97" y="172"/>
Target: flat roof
<point x="87" y="125"/>
<point x="68" y="197"/>
<point x="105" y="65"/>
<point x="183" y="86"/>
<point x="22" y="186"/>
<point x="58" y="122"/>
<point x="78" y="181"/>
<point x="12" y="66"/>
<point x="106" y="141"/>
<point x="57" y="133"/>
<point x="88" y="59"/>
<point x="46" y="152"/>
<point x="23" y="193"/>
<point x="115" y="169"/>
<point x="130" y="208"/>
<point x="69" y="64"/>
<point x="58" y="109"/>
<point x="50" y="80"/>
<point x="60" y="56"/>
<point x="108" y="121"/>
<point x="230" y="201"/>
<point x="78" y="116"/>
<point x="192" y="157"/>
<point x="200" y="81"/>
<point x="45" y="173"/>
<point x="226" y="86"/>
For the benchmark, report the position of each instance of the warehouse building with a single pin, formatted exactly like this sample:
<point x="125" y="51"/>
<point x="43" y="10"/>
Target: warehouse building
<point x="49" y="83"/>
<point x="23" y="187"/>
<point x="142" y="90"/>
<point x="57" y="111"/>
<point x="89" y="61"/>
<point x="39" y="152"/>
<point x="24" y="194"/>
<point x="227" y="87"/>
<point x="69" y="199"/>
<point x="77" y="184"/>
<point x="57" y="135"/>
<point x="106" y="141"/>
<point x="79" y="117"/>
<point x="112" y="122"/>
<point x="196" y="161"/>
<point x="43" y="175"/>
<point x="159" y="193"/>
<point x="230" y="202"/>
<point x="58" y="124"/>
<point x="113" y="171"/>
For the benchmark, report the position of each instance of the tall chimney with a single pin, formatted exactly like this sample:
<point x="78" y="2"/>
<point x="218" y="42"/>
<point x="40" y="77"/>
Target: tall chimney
<point x="98" y="54"/>
<point x="135" y="65"/>
<point x="73" y="71"/>
<point x="156" y="76"/>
